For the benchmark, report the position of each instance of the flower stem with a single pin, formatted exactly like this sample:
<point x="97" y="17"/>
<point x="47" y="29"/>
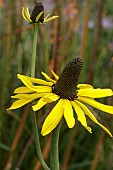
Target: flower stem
<point x="35" y="129"/>
<point x="54" y="154"/>
<point x="34" y="50"/>
<point x="37" y="142"/>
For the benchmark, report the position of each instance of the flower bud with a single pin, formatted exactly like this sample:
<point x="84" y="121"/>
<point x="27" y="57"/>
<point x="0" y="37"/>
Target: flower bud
<point x="36" y="11"/>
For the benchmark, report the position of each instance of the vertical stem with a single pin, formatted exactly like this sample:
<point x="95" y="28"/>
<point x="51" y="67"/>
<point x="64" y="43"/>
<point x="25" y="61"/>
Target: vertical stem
<point x="35" y="129"/>
<point x="37" y="142"/>
<point x="34" y="50"/>
<point x="54" y="154"/>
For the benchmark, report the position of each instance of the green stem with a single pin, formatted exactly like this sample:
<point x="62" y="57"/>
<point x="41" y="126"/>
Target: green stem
<point x="33" y="61"/>
<point x="37" y="142"/>
<point x="54" y="154"/>
<point x="35" y="129"/>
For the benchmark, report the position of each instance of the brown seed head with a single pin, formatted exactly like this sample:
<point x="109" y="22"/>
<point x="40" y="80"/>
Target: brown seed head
<point x="37" y="9"/>
<point x="66" y="86"/>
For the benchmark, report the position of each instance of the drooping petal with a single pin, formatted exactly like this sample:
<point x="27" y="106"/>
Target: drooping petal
<point x="68" y="113"/>
<point x="55" y="75"/>
<point x="93" y="103"/>
<point x="19" y="103"/>
<point x="47" y="16"/>
<point x="88" y="129"/>
<point x="26" y="81"/>
<point x="42" y="89"/>
<point x="23" y="89"/>
<point x="43" y="101"/>
<point x="25" y="14"/>
<point x="40" y="81"/>
<point x="95" y="93"/>
<point x="50" y="97"/>
<point x="84" y="86"/>
<point x="47" y="77"/>
<point x="39" y="15"/>
<point x="80" y="113"/>
<point x="53" y="118"/>
<point x="28" y="96"/>
<point x="92" y="117"/>
<point x="39" y="105"/>
<point x="50" y="19"/>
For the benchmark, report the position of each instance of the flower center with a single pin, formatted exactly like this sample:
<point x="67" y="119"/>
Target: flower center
<point x="37" y="10"/>
<point x="66" y="86"/>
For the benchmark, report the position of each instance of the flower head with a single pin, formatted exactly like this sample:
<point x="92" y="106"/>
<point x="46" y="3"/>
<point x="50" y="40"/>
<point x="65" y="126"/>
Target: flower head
<point x="67" y="93"/>
<point x="37" y="15"/>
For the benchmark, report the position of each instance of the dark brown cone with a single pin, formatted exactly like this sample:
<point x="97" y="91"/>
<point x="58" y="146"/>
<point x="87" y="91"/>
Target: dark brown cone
<point x="37" y="9"/>
<point x="66" y="86"/>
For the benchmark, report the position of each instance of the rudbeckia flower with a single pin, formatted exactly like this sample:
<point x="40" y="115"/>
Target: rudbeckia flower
<point x="68" y="95"/>
<point x="37" y="15"/>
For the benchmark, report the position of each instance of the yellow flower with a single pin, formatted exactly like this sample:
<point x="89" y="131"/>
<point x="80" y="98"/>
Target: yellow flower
<point x="67" y="93"/>
<point x="37" y="15"/>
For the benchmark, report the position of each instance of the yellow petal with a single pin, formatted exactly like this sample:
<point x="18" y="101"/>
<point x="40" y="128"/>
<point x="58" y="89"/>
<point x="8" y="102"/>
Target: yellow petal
<point x="88" y="129"/>
<point x="42" y="89"/>
<point x="55" y="75"/>
<point x="53" y="118"/>
<point x="84" y="86"/>
<point x="50" y="19"/>
<point x="50" y="97"/>
<point x="93" y="103"/>
<point x="92" y="117"/>
<point x="43" y="101"/>
<point x="47" y="77"/>
<point x="38" y="89"/>
<point x="40" y="81"/>
<point x="38" y="17"/>
<point x="25" y="13"/>
<point x="39" y="105"/>
<point x="26" y="81"/>
<point x="95" y="93"/>
<point x="19" y="103"/>
<point x="68" y="113"/>
<point x="28" y="96"/>
<point x="23" y="89"/>
<point x="80" y="113"/>
<point x="47" y="16"/>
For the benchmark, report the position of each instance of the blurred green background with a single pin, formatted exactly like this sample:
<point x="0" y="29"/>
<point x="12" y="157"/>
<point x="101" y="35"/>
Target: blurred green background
<point x="84" y="28"/>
